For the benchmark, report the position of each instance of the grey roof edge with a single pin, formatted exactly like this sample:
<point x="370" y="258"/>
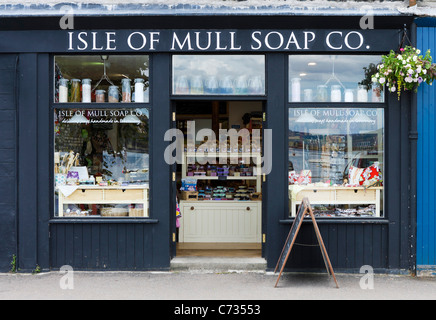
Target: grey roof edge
<point x="294" y="8"/>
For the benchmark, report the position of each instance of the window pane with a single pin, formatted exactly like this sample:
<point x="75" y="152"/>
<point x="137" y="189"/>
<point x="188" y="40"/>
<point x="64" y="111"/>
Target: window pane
<point x="115" y="78"/>
<point x="336" y="160"/>
<point x="333" y="78"/>
<point x="219" y="75"/>
<point x="101" y="162"/>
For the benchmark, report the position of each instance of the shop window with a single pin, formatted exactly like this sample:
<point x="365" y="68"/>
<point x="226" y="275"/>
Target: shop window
<point x="334" y="78"/>
<point x="219" y="75"/>
<point x="101" y="78"/>
<point x="336" y="160"/>
<point x="101" y="162"/>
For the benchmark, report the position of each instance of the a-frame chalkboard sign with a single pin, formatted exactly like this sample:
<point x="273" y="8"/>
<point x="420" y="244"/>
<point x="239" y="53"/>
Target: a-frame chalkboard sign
<point x="304" y="210"/>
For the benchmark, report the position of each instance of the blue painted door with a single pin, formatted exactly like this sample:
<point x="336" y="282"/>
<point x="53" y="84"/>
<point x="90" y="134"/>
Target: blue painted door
<point x="426" y="219"/>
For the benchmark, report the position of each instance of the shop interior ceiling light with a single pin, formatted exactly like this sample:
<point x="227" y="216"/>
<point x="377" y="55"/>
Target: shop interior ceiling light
<point x="104" y="76"/>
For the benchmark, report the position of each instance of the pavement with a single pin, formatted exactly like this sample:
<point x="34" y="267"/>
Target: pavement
<point x="212" y="285"/>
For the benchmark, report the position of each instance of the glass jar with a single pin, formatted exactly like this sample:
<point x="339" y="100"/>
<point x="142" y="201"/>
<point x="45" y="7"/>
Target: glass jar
<point x="377" y="93"/>
<point x="197" y="85"/>
<point x="139" y="90"/>
<point x="308" y="95"/>
<point x="182" y="85"/>
<point x="63" y="90"/>
<point x="349" y="95"/>
<point x="211" y="85"/>
<point x="113" y="96"/>
<point x="126" y="90"/>
<point x="296" y="89"/>
<point x="75" y="90"/>
<point x="226" y="85"/>
<point x="336" y="94"/>
<point x="241" y="85"/>
<point x="255" y="85"/>
<point x="99" y="96"/>
<point x="86" y="90"/>
<point x="362" y="93"/>
<point x="321" y="93"/>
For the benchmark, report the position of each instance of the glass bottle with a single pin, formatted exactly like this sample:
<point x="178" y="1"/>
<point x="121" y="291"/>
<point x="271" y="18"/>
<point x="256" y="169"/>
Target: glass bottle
<point x="63" y="90"/>
<point x="86" y="90"/>
<point x="75" y="90"/>
<point x="126" y="90"/>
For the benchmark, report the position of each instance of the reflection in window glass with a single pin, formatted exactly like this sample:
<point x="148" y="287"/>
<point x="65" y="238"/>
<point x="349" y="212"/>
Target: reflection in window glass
<point x="334" y="78"/>
<point x="105" y="78"/>
<point x="101" y="162"/>
<point x="219" y="75"/>
<point x="336" y="160"/>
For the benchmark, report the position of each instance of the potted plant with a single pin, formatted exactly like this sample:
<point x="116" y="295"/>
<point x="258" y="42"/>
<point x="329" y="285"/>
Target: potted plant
<point x="405" y="70"/>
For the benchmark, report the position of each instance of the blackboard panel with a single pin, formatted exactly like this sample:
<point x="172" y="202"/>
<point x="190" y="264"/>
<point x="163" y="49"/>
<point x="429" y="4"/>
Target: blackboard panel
<point x="291" y="236"/>
<point x="305" y="209"/>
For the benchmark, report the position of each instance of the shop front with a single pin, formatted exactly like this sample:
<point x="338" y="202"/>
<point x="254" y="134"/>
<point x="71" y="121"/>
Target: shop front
<point x="141" y="143"/>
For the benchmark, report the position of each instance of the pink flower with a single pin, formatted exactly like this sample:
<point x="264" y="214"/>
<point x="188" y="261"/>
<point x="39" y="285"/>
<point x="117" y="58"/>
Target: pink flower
<point x="402" y="49"/>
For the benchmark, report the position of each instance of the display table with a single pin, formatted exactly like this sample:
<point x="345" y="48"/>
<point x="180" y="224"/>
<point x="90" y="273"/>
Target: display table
<point x="85" y="194"/>
<point x="221" y="221"/>
<point x="334" y="196"/>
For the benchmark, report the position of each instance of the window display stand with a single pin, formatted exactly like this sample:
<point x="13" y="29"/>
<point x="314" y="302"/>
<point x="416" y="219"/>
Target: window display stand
<point x="92" y="194"/>
<point x="335" y="196"/>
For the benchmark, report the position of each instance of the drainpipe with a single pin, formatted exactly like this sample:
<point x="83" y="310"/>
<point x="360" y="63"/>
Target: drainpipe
<point x="413" y="137"/>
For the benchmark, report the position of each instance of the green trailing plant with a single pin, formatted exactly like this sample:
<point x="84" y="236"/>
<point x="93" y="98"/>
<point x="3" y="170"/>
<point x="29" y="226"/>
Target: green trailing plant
<point x="14" y="264"/>
<point x="405" y="71"/>
<point x="37" y="270"/>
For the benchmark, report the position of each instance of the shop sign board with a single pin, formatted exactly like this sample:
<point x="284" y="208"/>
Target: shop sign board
<point x="201" y="40"/>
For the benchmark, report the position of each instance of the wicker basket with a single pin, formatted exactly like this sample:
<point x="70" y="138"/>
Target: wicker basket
<point x="114" y="212"/>
<point x="256" y="196"/>
<point x="136" y="212"/>
<point x="189" y="195"/>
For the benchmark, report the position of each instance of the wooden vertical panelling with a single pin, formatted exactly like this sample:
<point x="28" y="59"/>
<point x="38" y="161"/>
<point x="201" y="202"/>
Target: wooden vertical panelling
<point x="102" y="246"/>
<point x="27" y="162"/>
<point x="426" y="212"/>
<point x="8" y="169"/>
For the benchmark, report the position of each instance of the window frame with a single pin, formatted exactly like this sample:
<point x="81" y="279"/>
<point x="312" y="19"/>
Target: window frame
<point x="337" y="105"/>
<point x="233" y="96"/>
<point x="53" y="105"/>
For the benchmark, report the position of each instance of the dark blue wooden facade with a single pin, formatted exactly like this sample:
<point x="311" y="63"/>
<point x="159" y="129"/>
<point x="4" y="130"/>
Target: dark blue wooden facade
<point x="29" y="230"/>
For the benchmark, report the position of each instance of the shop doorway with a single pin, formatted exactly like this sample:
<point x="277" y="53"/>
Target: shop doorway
<point x="219" y="184"/>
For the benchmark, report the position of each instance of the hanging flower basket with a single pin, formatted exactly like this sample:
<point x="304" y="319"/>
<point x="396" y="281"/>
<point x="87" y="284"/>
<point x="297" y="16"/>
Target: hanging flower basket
<point x="405" y="70"/>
